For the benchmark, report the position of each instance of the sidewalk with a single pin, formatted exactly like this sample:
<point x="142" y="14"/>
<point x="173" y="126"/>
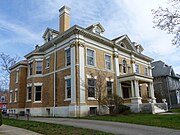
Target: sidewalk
<point x="9" y="130"/>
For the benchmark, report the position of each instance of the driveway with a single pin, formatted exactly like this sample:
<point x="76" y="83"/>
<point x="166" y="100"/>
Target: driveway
<point x="111" y="127"/>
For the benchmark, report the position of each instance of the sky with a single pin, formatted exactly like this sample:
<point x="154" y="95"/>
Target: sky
<point x="23" y="22"/>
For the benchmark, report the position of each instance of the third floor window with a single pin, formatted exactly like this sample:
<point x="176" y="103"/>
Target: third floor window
<point x="30" y="68"/>
<point x="90" y="57"/>
<point x="68" y="57"/>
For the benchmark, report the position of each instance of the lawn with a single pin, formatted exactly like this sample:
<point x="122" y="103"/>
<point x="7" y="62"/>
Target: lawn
<point x="167" y="121"/>
<point x="175" y="110"/>
<point x="51" y="129"/>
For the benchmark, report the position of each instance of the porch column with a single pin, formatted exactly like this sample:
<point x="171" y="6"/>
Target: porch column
<point x="132" y="88"/>
<point x="120" y="90"/>
<point x="136" y="84"/>
<point x="151" y="92"/>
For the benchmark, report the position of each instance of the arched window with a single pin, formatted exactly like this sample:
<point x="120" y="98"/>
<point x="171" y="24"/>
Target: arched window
<point x="124" y="66"/>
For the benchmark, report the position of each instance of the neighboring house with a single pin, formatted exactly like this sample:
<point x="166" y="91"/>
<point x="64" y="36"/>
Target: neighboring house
<point x="3" y="100"/>
<point x="166" y="83"/>
<point x="49" y="81"/>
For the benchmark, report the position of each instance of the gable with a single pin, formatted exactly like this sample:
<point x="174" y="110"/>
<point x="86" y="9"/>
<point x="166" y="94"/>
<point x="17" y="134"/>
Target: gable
<point x="125" y="42"/>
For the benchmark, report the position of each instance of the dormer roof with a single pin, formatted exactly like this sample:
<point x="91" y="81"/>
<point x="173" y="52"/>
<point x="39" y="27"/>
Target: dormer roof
<point x="49" y="30"/>
<point x="95" y="26"/>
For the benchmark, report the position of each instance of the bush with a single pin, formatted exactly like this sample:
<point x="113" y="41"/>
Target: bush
<point x="122" y="109"/>
<point x="0" y="118"/>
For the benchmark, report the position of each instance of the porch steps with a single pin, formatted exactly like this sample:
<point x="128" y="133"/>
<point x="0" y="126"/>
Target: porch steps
<point x="159" y="109"/>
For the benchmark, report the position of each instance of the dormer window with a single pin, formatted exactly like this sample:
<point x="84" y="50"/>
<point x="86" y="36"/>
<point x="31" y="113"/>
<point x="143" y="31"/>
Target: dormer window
<point x="97" y="31"/>
<point x="123" y="45"/>
<point x="48" y="37"/>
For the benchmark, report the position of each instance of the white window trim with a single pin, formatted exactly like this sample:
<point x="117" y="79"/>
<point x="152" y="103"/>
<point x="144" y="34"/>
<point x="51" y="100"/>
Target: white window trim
<point x="110" y="61"/>
<point x="37" y="84"/>
<point x="138" y="68"/>
<point x="94" y="57"/>
<point x="146" y="74"/>
<point x="17" y="76"/>
<point x="15" y="95"/>
<point x="29" y="100"/>
<point x="10" y="96"/>
<point x="37" y="60"/>
<point x="90" y="77"/>
<point x="66" y="78"/>
<point x="47" y="58"/>
<point x="66" y="56"/>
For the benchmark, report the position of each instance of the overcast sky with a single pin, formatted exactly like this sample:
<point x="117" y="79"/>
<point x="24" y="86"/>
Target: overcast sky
<point x="23" y="22"/>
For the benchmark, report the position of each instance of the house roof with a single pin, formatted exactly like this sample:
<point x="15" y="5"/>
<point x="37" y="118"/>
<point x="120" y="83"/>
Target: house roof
<point x="23" y="62"/>
<point x="79" y="30"/>
<point x="159" y="68"/>
<point x="49" y="29"/>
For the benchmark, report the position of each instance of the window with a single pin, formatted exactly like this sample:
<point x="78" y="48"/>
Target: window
<point x="47" y="62"/>
<point x="146" y="71"/>
<point x="38" y="67"/>
<point x="30" y="68"/>
<point x="90" y="57"/>
<point x="124" y="66"/>
<point x="68" y="57"/>
<point x="120" y="68"/>
<point x="49" y="37"/>
<point x="68" y="88"/>
<point x="10" y="97"/>
<point x="15" y="96"/>
<point x="137" y="68"/>
<point x="108" y="62"/>
<point x="97" y="31"/>
<point x="91" y="87"/>
<point x="125" y="92"/>
<point x="17" y="76"/>
<point x="3" y="98"/>
<point x="29" y="93"/>
<point x="109" y="88"/>
<point x="37" y="93"/>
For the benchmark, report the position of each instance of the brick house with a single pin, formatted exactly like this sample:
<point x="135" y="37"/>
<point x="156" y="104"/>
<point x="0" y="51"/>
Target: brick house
<point x="49" y="81"/>
<point x="3" y="100"/>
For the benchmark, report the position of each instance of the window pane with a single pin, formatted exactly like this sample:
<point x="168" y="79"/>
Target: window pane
<point x="68" y="88"/>
<point x="109" y="88"/>
<point x="90" y="57"/>
<point x="38" y="93"/>
<point x="39" y="67"/>
<point x="29" y="93"/>
<point x="30" y="68"/>
<point x="68" y="57"/>
<point x="91" y="87"/>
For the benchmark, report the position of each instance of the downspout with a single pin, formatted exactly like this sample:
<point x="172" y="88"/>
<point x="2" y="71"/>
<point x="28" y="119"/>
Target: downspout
<point x="54" y="100"/>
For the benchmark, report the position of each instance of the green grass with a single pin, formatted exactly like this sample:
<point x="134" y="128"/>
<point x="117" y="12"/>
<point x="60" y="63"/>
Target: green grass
<point x="51" y="129"/>
<point x="167" y="121"/>
<point x="175" y="110"/>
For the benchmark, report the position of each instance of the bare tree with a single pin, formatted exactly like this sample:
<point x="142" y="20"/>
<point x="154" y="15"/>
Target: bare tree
<point x="6" y="61"/>
<point x="96" y="86"/>
<point x="168" y="19"/>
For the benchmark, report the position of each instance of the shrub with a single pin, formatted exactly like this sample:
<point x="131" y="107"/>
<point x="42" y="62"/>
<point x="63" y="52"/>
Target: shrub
<point x="0" y="118"/>
<point x="122" y="109"/>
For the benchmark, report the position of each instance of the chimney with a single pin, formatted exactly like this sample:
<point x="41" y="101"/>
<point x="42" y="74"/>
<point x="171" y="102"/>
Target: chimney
<point x="64" y="19"/>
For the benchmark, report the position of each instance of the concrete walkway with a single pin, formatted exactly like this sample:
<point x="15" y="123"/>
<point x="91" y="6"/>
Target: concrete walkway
<point x="111" y="127"/>
<point x="9" y="130"/>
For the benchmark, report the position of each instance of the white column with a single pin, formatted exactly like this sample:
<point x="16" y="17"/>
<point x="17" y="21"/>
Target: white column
<point x="136" y="88"/>
<point x="120" y="90"/>
<point x="133" y="64"/>
<point x="73" y="75"/>
<point x="151" y="92"/>
<point x="116" y="62"/>
<point x="132" y="88"/>
<point x="82" y="73"/>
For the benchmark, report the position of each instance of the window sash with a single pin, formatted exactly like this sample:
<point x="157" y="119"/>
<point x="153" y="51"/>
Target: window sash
<point x="68" y="57"/>
<point x="29" y="93"/>
<point x="48" y="62"/>
<point x="108" y="62"/>
<point x="109" y="88"/>
<point x="137" y="68"/>
<point x="38" y="93"/>
<point x="90" y="57"/>
<point x="39" y="67"/>
<point x="68" y="88"/>
<point x="30" y="68"/>
<point x="91" y="87"/>
<point x="145" y="71"/>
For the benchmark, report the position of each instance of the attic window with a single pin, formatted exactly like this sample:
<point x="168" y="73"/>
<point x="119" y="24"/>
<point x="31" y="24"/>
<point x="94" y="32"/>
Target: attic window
<point x="97" y="31"/>
<point x="49" y="37"/>
<point x="122" y="45"/>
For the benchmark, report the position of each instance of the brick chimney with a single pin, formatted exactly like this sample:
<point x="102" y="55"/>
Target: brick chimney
<point x="64" y="19"/>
